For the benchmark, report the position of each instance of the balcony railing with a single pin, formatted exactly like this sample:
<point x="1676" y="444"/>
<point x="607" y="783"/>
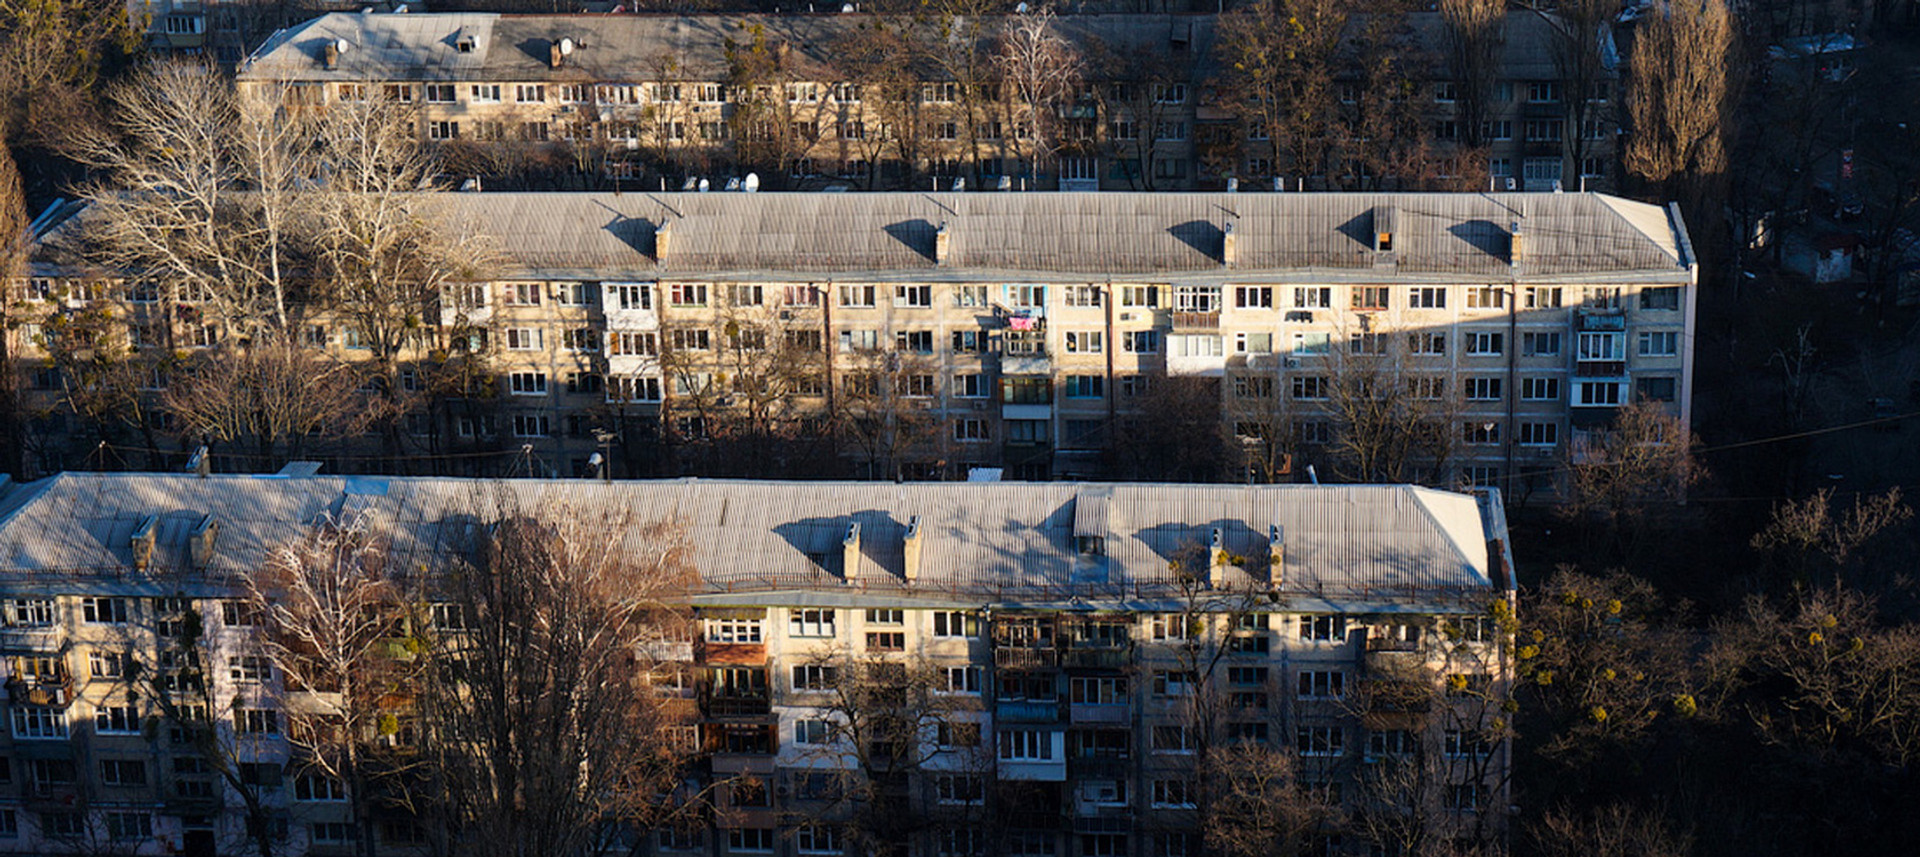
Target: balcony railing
<point x="1023" y="658"/>
<point x="41" y="691"/>
<point x="738" y="706"/>
<point x="1189" y="320"/>
<point x="1027" y="711"/>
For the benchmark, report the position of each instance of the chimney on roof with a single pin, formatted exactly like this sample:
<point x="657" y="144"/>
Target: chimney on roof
<point x="662" y="242"/>
<point x="201" y="543"/>
<point x="915" y="542"/>
<point x="1516" y="247"/>
<point x="1217" y="560"/>
<point x="330" y="56"/>
<point x="850" y="553"/>
<point x="142" y="542"/>
<point x="942" y="245"/>
<point x="1276" y="558"/>
<point x="1229" y="246"/>
<point x="557" y="52"/>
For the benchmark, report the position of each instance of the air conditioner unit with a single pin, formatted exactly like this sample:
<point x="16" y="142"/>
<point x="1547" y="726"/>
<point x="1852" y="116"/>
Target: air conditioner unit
<point x="786" y="315"/>
<point x="1292" y="363"/>
<point x="980" y="406"/>
<point x="1126" y="316"/>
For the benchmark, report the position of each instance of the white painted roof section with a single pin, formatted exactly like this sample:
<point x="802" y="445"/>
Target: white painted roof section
<point x="1650" y="220"/>
<point x="987" y="543"/>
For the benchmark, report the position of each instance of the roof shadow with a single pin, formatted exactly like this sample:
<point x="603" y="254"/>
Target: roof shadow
<point x="917" y="234"/>
<point x="1202" y="235"/>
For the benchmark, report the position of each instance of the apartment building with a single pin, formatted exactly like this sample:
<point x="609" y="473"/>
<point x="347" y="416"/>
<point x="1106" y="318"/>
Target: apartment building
<point x="675" y="99"/>
<point x="936" y="333"/>
<point x="1085" y="643"/>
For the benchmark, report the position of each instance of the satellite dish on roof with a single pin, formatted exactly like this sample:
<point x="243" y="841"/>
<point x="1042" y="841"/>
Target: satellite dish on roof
<point x="566" y="47"/>
<point x="366" y="10"/>
<point x="846" y="9"/>
<point x="400" y="9"/>
<point x="960" y="184"/>
<point x="733" y="184"/>
<point x="1020" y="9"/>
<point x="704" y="186"/>
<point x="752" y="184"/>
<point x="342" y="45"/>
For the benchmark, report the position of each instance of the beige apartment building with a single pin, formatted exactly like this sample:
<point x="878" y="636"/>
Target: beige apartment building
<point x="672" y="100"/>
<point x="931" y="334"/>
<point x="1075" y="653"/>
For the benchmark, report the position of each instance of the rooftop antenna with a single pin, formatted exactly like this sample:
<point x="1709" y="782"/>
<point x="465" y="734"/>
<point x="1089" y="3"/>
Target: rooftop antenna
<point x="705" y="186"/>
<point x="199" y="463"/>
<point x="752" y="184"/>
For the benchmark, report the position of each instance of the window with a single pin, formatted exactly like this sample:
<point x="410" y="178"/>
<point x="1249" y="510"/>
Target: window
<point x="1539" y="344"/>
<point x="29" y="611"/>
<point x="1140" y="341"/>
<point x="1660" y="298"/>
<point x="118" y="719"/>
<point x="129" y="825"/>
<point x="1543" y="131"/>
<point x="1313" y="297"/>
<point x="733" y="631"/>
<point x="484" y="93"/>
<point x="105" y="610"/>
<point x="971" y="430"/>
<point x="1323" y="628"/>
<point x="811" y="622"/>
<point x="108" y="664"/>
<point x="1479" y="432"/>
<point x="947" y="623"/>
<point x="249" y="668"/>
<point x="963" y="679"/>
<point x="914" y="341"/>
<point x="1539" y="434"/>
<point x="817" y="839"/>
<point x="1486" y="297"/>
<point x="1086" y="341"/>
<point x="1659" y="343"/>
<point x="687" y="294"/>
<point x="1173" y="682"/>
<point x="1539" y="389"/>
<point x="1308" y="387"/>
<point x="910" y="296"/>
<point x="1483" y="389"/>
<point x="1174" y="739"/>
<point x="814" y="678"/>
<point x="970" y="385"/>
<point x="1322" y="684"/>
<point x="1485" y="344"/>
<point x="1603" y="297"/>
<point x="960" y="789"/>
<point x="1371" y="344"/>
<point x="629" y="296"/>
<point x="529" y="93"/>
<point x="690" y="339"/>
<point x="123" y="772"/>
<point x="1427" y="297"/>
<point x="1589" y="394"/>
<point x="1542" y="297"/>
<point x="256" y="721"/>
<point x="629" y="388"/>
<point x="755" y="839"/>
<point x="528" y="383"/>
<point x="1370" y="297"/>
<point x="1320" y="740"/>
<point x="1543" y="91"/>
<point x="1085" y="386"/>
<point x="857" y="296"/>
<point x="316" y="787"/>
<point x="969" y="341"/>
<point x="1026" y="745"/>
<point x="1603" y="347"/>
<point x="1252" y="387"/>
<point x="1655" y="389"/>
<point x="333" y="832"/>
<point x="35" y="723"/>
<point x="886" y="641"/>
<point x="948" y="734"/>
<point x="632" y="344"/>
<point x="812" y="732"/>
<point x="962" y="842"/>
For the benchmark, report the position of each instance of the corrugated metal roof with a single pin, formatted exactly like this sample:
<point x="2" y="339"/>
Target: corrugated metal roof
<point x="985" y="542"/>
<point x="643" y="48"/>
<point x="1459" y="234"/>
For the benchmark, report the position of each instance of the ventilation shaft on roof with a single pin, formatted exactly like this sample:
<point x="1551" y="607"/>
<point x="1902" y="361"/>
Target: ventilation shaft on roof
<point x="942" y="245"/>
<point x="201" y="544"/>
<point x="662" y="242"/>
<point x="915" y="542"/>
<point x="1229" y="249"/>
<point x="558" y="51"/>
<point x="1383" y="226"/>
<point x="142" y="542"/>
<point x="1516" y="247"/>
<point x="1217" y="560"/>
<point x="1276" y="558"/>
<point x="850" y="553"/>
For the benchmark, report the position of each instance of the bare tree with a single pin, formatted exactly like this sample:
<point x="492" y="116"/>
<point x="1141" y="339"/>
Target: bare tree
<point x="1388" y="424"/>
<point x="1678" y="105"/>
<point x="1258" y="806"/>
<point x="1810" y="528"/>
<point x="1278" y="62"/>
<point x="1043" y="72"/>
<point x="329" y="609"/>
<point x="1614" y="830"/>
<point x="538" y="712"/>
<point x="197" y="194"/>
<point x="1173" y="432"/>
<point x="268" y="395"/>
<point x="15" y="249"/>
<point x="878" y="58"/>
<point x="1476" y="40"/>
<point x="1645" y="458"/>
<point x="1582" y="39"/>
<point x="883" y="406"/>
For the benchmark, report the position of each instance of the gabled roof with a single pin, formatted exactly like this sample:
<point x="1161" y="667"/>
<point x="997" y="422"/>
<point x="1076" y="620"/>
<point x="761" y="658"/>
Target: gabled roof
<point x="1091" y="234"/>
<point x="638" y="48"/>
<point x="1390" y="547"/>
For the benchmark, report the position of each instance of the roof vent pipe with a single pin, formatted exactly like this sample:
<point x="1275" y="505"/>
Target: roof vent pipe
<point x="1229" y="249"/>
<point x="1516" y="247"/>
<point x="142" y="542"/>
<point x="850" y="553"/>
<point x="942" y="245"/>
<point x="1217" y="560"/>
<point x="202" y="542"/>
<point x="662" y="242"/>
<point x="916" y="540"/>
<point x="1276" y="557"/>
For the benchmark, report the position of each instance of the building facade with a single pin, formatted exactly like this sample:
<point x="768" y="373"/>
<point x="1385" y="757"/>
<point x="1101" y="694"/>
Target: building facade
<point x="1076" y="652"/>
<point x="676" y="99"/>
<point x="929" y="334"/>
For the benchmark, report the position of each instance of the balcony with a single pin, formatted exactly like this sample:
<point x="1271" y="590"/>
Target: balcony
<point x="46" y="639"/>
<point x="57" y="691"/>
<point x="1396" y="695"/>
<point x="1101" y="658"/>
<point x="1032" y="361"/>
<point x="1025" y="658"/>
<point x="749" y="654"/>
<point x="1189" y="320"/>
<point x="1085" y="712"/>
<point x="1101" y="766"/>
<point x="1027" y="711"/>
<point x="737" y="706"/>
<point x="1600" y="369"/>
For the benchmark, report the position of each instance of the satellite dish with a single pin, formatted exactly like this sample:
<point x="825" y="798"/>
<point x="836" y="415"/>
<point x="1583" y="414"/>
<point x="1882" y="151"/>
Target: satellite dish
<point x="566" y="47"/>
<point x="846" y="9"/>
<point x="704" y="186"/>
<point x="1020" y="9"/>
<point x="401" y="9"/>
<point x="733" y="184"/>
<point x="752" y="184"/>
<point x="342" y="45"/>
<point x="366" y="10"/>
<point x="960" y="184"/>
